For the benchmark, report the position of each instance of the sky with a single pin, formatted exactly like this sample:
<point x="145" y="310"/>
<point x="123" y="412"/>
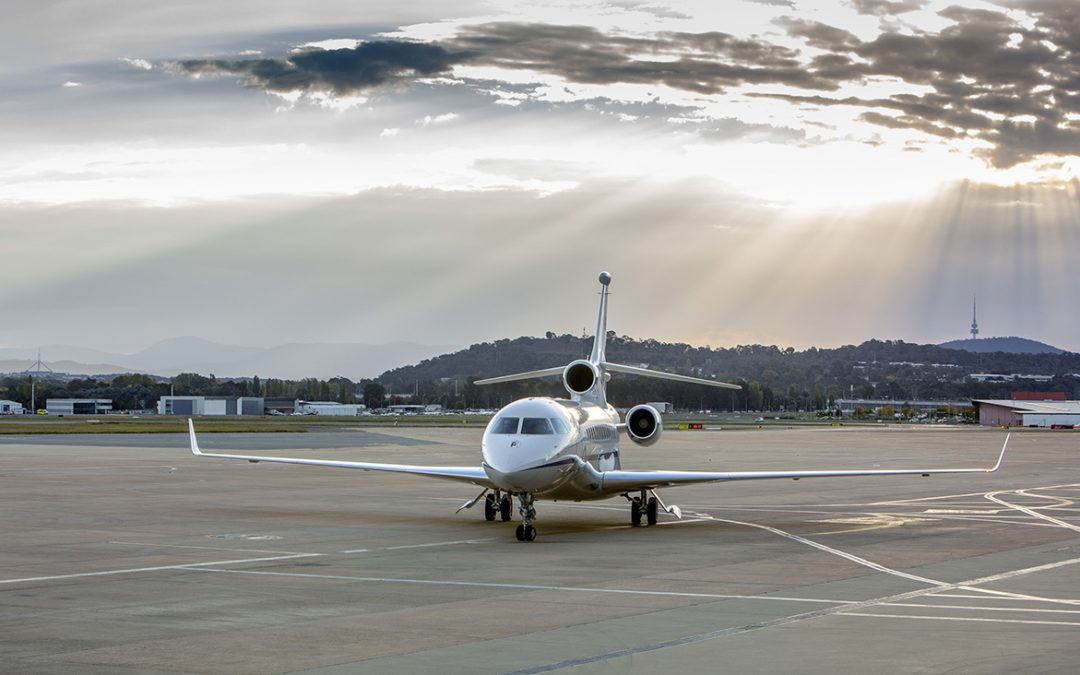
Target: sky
<point x="778" y="172"/>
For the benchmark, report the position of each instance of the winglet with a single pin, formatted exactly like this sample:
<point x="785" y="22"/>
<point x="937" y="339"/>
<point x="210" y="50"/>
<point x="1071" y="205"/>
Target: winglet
<point x="1002" y="455"/>
<point x="194" y="441"/>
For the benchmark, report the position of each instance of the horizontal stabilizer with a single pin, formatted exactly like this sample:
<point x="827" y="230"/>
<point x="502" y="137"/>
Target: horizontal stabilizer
<point x="531" y="375"/>
<point x="660" y="375"/>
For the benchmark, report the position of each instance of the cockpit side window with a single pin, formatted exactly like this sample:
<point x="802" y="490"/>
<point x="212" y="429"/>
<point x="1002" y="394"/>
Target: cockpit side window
<point x="505" y="425"/>
<point x="536" y="425"/>
<point x="561" y="427"/>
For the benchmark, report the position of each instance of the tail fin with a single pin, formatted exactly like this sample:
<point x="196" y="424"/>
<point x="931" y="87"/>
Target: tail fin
<point x="598" y="358"/>
<point x="599" y="346"/>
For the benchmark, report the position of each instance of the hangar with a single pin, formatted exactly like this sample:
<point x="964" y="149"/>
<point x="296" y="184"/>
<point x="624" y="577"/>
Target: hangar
<point x="1051" y="412"/>
<point x="78" y="406"/>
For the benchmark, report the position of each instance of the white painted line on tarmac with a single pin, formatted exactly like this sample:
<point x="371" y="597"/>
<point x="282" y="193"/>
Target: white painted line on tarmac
<point x="516" y="587"/>
<point x="959" y="618"/>
<point x="159" y="568"/>
<point x="201" y="548"/>
<point x="829" y="549"/>
<point x="977" y="608"/>
<point x="431" y="545"/>
<point x="440" y="543"/>
<point x="993" y="496"/>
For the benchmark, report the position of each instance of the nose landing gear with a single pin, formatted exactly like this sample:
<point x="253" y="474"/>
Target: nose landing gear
<point x="525" y="531"/>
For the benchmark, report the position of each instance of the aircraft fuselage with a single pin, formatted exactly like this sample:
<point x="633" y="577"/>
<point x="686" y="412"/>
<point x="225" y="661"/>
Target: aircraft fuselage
<point x="552" y="448"/>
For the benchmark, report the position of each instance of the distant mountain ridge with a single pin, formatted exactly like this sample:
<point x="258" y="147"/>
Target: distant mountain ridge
<point x="196" y="355"/>
<point x="1009" y="345"/>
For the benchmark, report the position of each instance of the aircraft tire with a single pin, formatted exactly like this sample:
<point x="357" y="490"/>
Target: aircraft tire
<point x="530" y="533"/>
<point x="489" y="508"/>
<point x="650" y="511"/>
<point x="504" y="508"/>
<point x="635" y="512"/>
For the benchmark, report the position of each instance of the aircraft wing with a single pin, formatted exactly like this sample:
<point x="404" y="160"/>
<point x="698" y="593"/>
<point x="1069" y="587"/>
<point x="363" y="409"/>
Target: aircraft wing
<point x="461" y="474"/>
<point x="614" y="482"/>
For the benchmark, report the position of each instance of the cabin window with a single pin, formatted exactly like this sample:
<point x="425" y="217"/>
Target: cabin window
<point x="561" y="427"/>
<point x="536" y="425"/>
<point x="505" y="425"/>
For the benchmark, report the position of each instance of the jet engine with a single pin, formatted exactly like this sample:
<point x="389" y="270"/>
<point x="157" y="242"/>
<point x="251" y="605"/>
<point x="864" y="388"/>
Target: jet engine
<point x="643" y="424"/>
<point x="580" y="376"/>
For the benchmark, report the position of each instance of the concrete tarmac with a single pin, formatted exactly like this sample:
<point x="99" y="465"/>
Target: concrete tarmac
<point x="128" y="555"/>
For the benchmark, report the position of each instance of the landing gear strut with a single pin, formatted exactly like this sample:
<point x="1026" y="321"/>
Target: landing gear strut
<point x="643" y="505"/>
<point x="525" y="531"/>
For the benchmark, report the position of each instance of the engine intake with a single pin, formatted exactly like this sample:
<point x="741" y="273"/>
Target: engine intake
<point x="644" y="424"/>
<point x="580" y="376"/>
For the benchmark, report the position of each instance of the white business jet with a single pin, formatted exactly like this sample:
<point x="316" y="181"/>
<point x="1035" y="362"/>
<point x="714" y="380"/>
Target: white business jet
<point x="553" y="448"/>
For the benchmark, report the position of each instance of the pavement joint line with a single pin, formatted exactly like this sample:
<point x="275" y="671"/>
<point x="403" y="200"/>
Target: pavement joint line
<point x="848" y="609"/>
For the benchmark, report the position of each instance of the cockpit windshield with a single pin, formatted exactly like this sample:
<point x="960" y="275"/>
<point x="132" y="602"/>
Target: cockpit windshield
<point x="536" y="425"/>
<point x="505" y="425"/>
<point x="561" y="427"/>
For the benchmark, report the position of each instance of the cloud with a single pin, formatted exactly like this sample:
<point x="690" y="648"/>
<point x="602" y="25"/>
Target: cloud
<point x="341" y="72"/>
<point x="1004" y="85"/>
<point x="887" y="7"/>
<point x="991" y="79"/>
<point x="705" y="63"/>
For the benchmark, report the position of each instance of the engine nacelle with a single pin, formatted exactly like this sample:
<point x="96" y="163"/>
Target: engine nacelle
<point x="580" y="376"/>
<point x="644" y="424"/>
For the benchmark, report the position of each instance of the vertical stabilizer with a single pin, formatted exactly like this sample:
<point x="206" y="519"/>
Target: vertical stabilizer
<point x="600" y="341"/>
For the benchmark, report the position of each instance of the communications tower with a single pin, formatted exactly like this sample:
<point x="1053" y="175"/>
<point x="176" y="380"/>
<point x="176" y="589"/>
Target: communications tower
<point x="974" y="323"/>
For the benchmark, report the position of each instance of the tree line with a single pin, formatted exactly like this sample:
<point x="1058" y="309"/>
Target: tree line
<point x="770" y="378"/>
<point x="131" y="392"/>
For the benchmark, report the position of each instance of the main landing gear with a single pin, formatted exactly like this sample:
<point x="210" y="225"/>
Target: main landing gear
<point x="496" y="503"/>
<point x="643" y="505"/>
<point x="525" y="531"/>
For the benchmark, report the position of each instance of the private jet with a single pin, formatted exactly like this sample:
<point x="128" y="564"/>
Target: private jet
<point x="568" y="448"/>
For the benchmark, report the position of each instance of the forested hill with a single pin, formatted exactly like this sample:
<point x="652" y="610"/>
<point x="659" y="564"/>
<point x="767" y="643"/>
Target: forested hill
<point x="877" y="369"/>
<point x="1016" y="345"/>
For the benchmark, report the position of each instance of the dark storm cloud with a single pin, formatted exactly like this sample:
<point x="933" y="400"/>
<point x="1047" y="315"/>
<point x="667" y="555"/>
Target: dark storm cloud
<point x="983" y="67"/>
<point x="705" y="63"/>
<point x="339" y="71"/>
<point x="887" y="7"/>
<point x="1012" y="87"/>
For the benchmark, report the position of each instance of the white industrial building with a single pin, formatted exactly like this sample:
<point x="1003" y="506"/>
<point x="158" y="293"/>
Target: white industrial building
<point x="328" y="408"/>
<point x="1013" y="413"/>
<point x="78" y="406"/>
<point x="223" y="405"/>
<point x="198" y="405"/>
<point x="11" y="408"/>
